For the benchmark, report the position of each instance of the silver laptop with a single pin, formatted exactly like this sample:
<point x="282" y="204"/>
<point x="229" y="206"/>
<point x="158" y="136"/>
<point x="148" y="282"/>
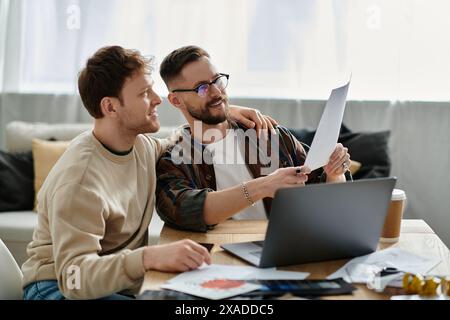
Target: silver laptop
<point x="321" y="222"/>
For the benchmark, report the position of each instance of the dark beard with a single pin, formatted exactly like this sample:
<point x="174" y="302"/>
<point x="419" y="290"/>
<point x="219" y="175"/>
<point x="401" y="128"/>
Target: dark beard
<point x="205" y="115"/>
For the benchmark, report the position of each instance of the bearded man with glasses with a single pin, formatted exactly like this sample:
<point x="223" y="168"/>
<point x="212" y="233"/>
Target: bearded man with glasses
<point x="221" y="168"/>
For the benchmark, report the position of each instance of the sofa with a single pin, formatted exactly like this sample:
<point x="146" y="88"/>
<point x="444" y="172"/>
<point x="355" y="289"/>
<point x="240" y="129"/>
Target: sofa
<point x="17" y="226"/>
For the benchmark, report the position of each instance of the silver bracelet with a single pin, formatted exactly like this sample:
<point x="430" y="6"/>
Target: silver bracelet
<point x="247" y="195"/>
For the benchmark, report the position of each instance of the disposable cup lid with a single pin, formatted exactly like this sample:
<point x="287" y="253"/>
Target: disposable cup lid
<point x="398" y="194"/>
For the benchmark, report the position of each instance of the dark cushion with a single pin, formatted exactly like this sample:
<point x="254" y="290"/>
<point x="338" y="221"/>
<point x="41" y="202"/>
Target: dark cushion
<point x="368" y="148"/>
<point x="16" y="181"/>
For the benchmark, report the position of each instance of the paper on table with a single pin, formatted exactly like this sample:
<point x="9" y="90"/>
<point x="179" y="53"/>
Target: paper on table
<point x="215" y="271"/>
<point x="327" y="133"/>
<point x="224" y="281"/>
<point x="364" y="268"/>
<point x="213" y="289"/>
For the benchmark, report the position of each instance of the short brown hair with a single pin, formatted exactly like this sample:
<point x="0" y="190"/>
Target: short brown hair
<point x="173" y="64"/>
<point x="105" y="74"/>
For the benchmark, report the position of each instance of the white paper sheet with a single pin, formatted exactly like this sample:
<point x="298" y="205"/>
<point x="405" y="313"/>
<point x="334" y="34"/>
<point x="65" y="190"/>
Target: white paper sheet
<point x="206" y="281"/>
<point x="327" y="133"/>
<point x="364" y="268"/>
<point x="211" y="289"/>
<point x="215" y="271"/>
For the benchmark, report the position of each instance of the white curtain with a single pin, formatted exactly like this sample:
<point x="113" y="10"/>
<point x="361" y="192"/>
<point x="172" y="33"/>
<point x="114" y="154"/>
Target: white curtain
<point x="4" y="11"/>
<point x="396" y="50"/>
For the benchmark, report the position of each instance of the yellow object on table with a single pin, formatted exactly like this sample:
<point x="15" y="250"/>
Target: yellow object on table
<point x="412" y="283"/>
<point x="426" y="287"/>
<point x="445" y="286"/>
<point x="430" y="286"/>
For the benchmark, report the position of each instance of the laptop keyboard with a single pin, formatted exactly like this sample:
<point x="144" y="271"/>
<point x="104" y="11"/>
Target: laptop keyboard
<point x="256" y="253"/>
<point x="258" y="243"/>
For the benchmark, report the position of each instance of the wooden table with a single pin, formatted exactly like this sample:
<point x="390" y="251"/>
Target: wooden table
<point x="416" y="236"/>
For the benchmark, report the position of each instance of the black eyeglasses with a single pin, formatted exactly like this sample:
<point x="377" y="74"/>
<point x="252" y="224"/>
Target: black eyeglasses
<point x="220" y="82"/>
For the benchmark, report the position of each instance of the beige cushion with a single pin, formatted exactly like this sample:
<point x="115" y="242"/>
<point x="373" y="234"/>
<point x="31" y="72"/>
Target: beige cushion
<point x="354" y="166"/>
<point x="45" y="155"/>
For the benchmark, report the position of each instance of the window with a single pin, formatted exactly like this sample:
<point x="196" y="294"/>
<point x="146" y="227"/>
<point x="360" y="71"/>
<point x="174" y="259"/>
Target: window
<point x="395" y="50"/>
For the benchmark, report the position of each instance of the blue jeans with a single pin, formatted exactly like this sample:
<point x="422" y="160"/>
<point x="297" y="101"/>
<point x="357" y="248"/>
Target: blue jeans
<point x="48" y="290"/>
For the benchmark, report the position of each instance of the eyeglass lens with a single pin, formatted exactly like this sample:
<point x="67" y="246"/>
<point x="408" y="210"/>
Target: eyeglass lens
<point x="220" y="83"/>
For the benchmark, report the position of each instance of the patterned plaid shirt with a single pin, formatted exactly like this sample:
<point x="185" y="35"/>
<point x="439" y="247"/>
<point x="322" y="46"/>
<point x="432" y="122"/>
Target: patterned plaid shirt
<point x="182" y="187"/>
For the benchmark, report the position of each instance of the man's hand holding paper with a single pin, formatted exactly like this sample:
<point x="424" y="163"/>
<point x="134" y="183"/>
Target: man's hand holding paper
<point x="339" y="163"/>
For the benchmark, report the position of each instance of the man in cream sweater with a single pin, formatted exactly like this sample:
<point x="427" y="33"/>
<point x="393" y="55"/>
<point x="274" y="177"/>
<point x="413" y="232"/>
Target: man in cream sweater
<point x="96" y="204"/>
